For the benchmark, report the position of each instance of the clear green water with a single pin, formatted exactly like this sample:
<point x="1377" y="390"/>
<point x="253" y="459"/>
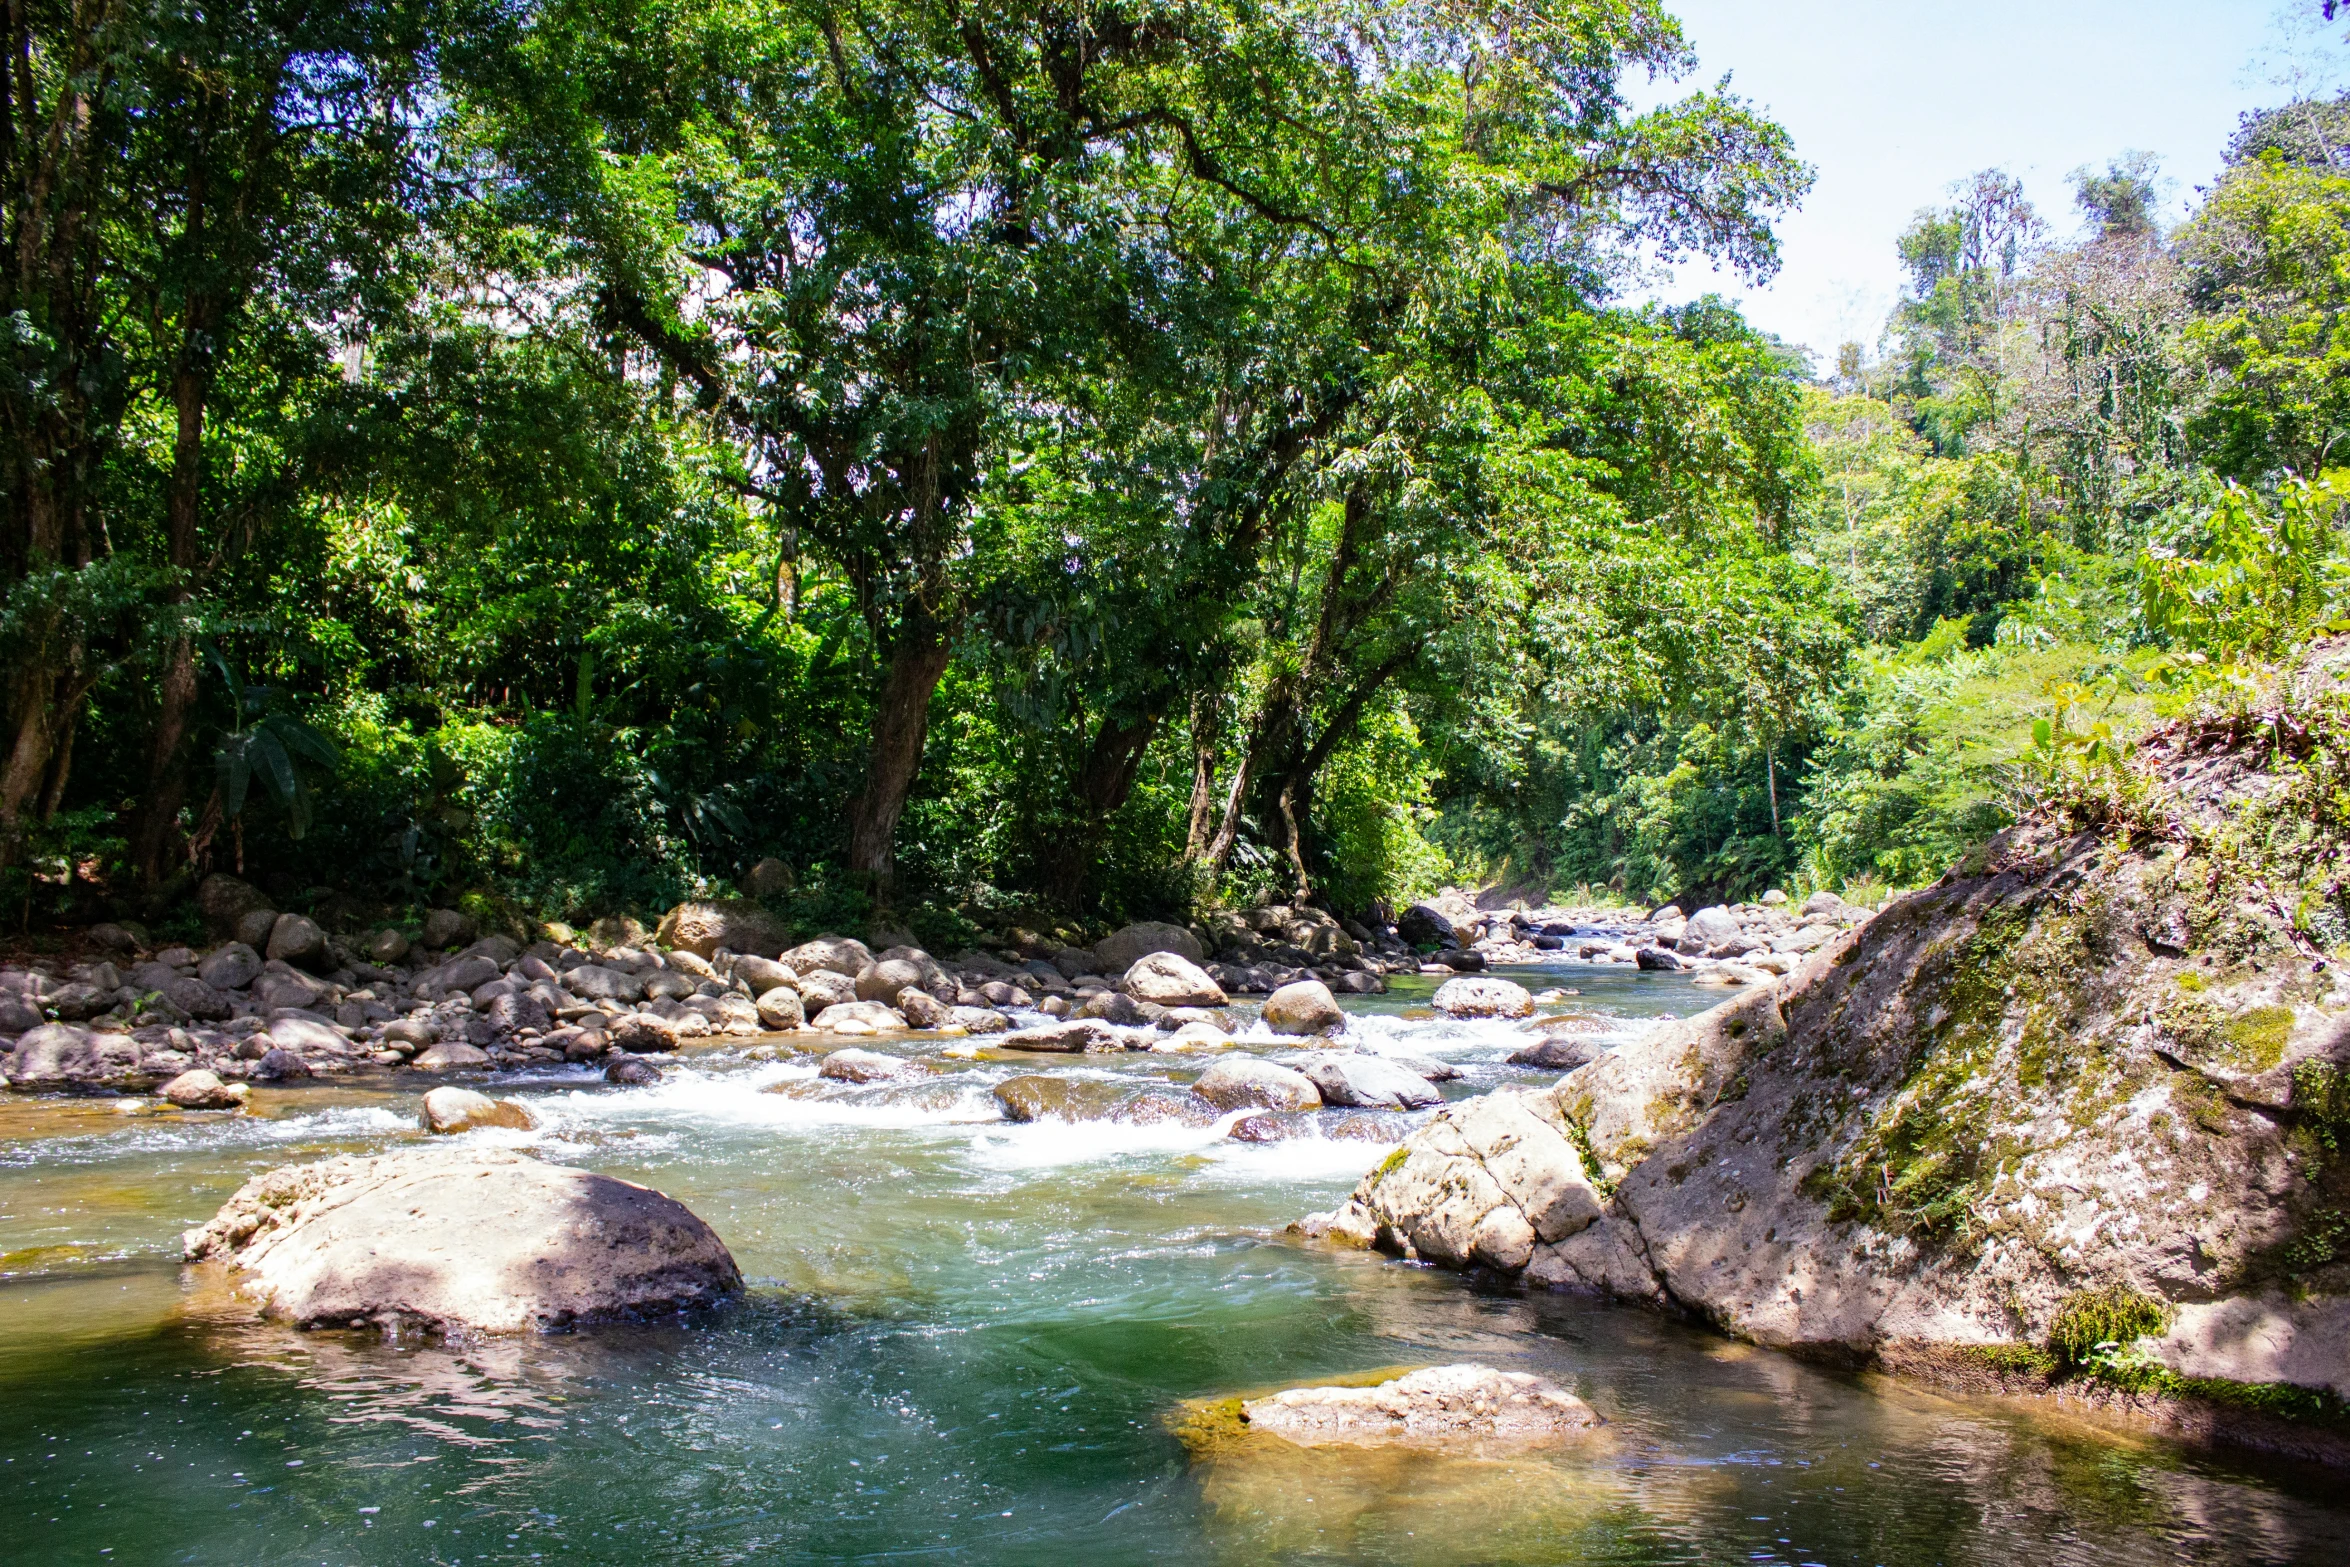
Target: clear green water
<point x="965" y="1343"/>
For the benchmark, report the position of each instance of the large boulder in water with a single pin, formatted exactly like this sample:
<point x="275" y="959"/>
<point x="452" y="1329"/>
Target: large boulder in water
<point x="1440" y="1406"/>
<point x="1369" y="1083"/>
<point x="1169" y="979"/>
<point x="732" y="923"/>
<point x="1482" y="997"/>
<point x="462" y="1239"/>
<point x="1304" y="1007"/>
<point x="1244" y="1082"/>
<point x="1121" y="950"/>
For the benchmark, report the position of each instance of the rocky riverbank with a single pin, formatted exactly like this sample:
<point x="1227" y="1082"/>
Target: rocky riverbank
<point x="280" y="997"/>
<point x="2073" y="1117"/>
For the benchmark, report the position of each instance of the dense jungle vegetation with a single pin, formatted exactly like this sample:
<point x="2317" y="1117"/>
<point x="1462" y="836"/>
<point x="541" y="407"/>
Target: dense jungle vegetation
<point x="1095" y="460"/>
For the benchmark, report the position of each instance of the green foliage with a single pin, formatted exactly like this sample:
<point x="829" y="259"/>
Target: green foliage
<point x="2267" y="573"/>
<point x="2094" y="1323"/>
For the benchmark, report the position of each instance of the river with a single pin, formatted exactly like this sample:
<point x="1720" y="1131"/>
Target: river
<point x="968" y="1340"/>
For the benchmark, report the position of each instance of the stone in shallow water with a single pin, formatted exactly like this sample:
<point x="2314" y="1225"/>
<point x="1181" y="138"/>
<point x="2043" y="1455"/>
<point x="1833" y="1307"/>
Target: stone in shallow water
<point x="1244" y="1082"/>
<point x="449" y="1110"/>
<point x="203" y="1090"/>
<point x="1486" y="997"/>
<point x="863" y="1066"/>
<point x="1368" y="1082"/>
<point x="1440" y="1406"/>
<point x="456" y="1239"/>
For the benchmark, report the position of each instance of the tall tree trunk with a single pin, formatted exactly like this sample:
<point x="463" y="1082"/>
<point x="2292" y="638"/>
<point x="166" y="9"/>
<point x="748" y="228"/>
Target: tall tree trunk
<point x="901" y="721"/>
<point x="1207" y="734"/>
<point x="191" y="380"/>
<point x="1103" y="784"/>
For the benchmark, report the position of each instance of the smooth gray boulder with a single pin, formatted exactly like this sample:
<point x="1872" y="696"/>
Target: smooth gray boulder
<point x="232" y="966"/>
<point x="461" y="1239"/>
<point x="881" y="981"/>
<point x="450" y="1055"/>
<point x="1244" y="1082"/>
<point x="1169" y="979"/>
<point x="1483" y="996"/>
<point x="761" y="975"/>
<point x="57" y="1055"/>
<point x="1368" y="1083"/>
<point x="297" y="939"/>
<point x="595" y="982"/>
<point x="446" y="928"/>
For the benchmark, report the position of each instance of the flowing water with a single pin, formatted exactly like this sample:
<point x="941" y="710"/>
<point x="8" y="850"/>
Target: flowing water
<point x="970" y="1340"/>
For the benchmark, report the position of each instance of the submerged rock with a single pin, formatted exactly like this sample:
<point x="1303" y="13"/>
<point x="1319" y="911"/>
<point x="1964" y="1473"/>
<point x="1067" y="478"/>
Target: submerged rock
<point x="864" y="1066"/>
<point x="1441" y="1406"/>
<point x="471" y="1239"/>
<point x="632" y="1072"/>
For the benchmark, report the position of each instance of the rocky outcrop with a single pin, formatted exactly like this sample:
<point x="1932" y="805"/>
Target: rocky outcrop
<point x="461" y="1239"/>
<point x="2072" y="1075"/>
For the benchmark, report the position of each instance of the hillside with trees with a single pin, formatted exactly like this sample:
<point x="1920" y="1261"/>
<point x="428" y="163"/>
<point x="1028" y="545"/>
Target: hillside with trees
<point x="1080" y="465"/>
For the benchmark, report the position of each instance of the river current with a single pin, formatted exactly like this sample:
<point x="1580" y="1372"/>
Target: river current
<point x="969" y="1340"/>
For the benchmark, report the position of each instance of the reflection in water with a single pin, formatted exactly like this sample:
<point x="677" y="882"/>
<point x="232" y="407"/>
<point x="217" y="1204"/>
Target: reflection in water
<point x="965" y="1339"/>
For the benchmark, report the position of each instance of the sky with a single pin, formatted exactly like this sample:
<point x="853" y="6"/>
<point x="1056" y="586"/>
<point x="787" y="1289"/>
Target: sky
<point x="1892" y="100"/>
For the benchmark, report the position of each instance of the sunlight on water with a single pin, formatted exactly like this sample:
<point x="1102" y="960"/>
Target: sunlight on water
<point x="973" y="1339"/>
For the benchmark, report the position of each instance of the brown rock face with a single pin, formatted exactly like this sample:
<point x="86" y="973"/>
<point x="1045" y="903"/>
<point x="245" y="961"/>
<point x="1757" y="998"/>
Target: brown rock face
<point x="492" y="1242"/>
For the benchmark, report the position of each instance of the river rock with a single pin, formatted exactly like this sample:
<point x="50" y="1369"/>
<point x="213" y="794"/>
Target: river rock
<point x="387" y="946"/>
<point x="1708" y="928"/>
<point x="280" y="1065"/>
<point x="644" y="1033"/>
<point x="230" y="967"/>
<point x="450" y="1055"/>
<point x="821" y="988"/>
<point x="458" y="976"/>
<point x="296" y="938"/>
<point x="1368" y="1083"/>
<point x="1109" y="1006"/>
<point x="446" y="928"/>
<point x="223" y="900"/>
<point x="254" y="928"/>
<point x="863" y="1066"/>
<point x="860" y="1017"/>
<point x="195" y="998"/>
<point x="450" y="1110"/>
<point x="1169" y="979"/>
<point x="305" y="1036"/>
<point x="1441" y="1406"/>
<point x="760" y="975"/>
<point x="201" y="1089"/>
<point x="1122" y="949"/>
<point x="1425" y="925"/>
<point x="882" y="980"/>
<point x="1244" y="1082"/>
<point x="921" y="1009"/>
<point x="632" y="1072"/>
<point x="1655" y="958"/>
<point x="1482" y="997"/>
<point x="842" y="955"/>
<point x="596" y="982"/>
<point x="780" y="1009"/>
<point x="1427" y="1068"/>
<point x="1558" y="1053"/>
<point x="56" y="1055"/>
<point x="1304" y="1008"/>
<point x="733" y="923"/>
<point x="17" y="1014"/>
<point x="462" y="1239"/>
<point x="1037" y="1097"/>
<point x="1072" y="1037"/>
